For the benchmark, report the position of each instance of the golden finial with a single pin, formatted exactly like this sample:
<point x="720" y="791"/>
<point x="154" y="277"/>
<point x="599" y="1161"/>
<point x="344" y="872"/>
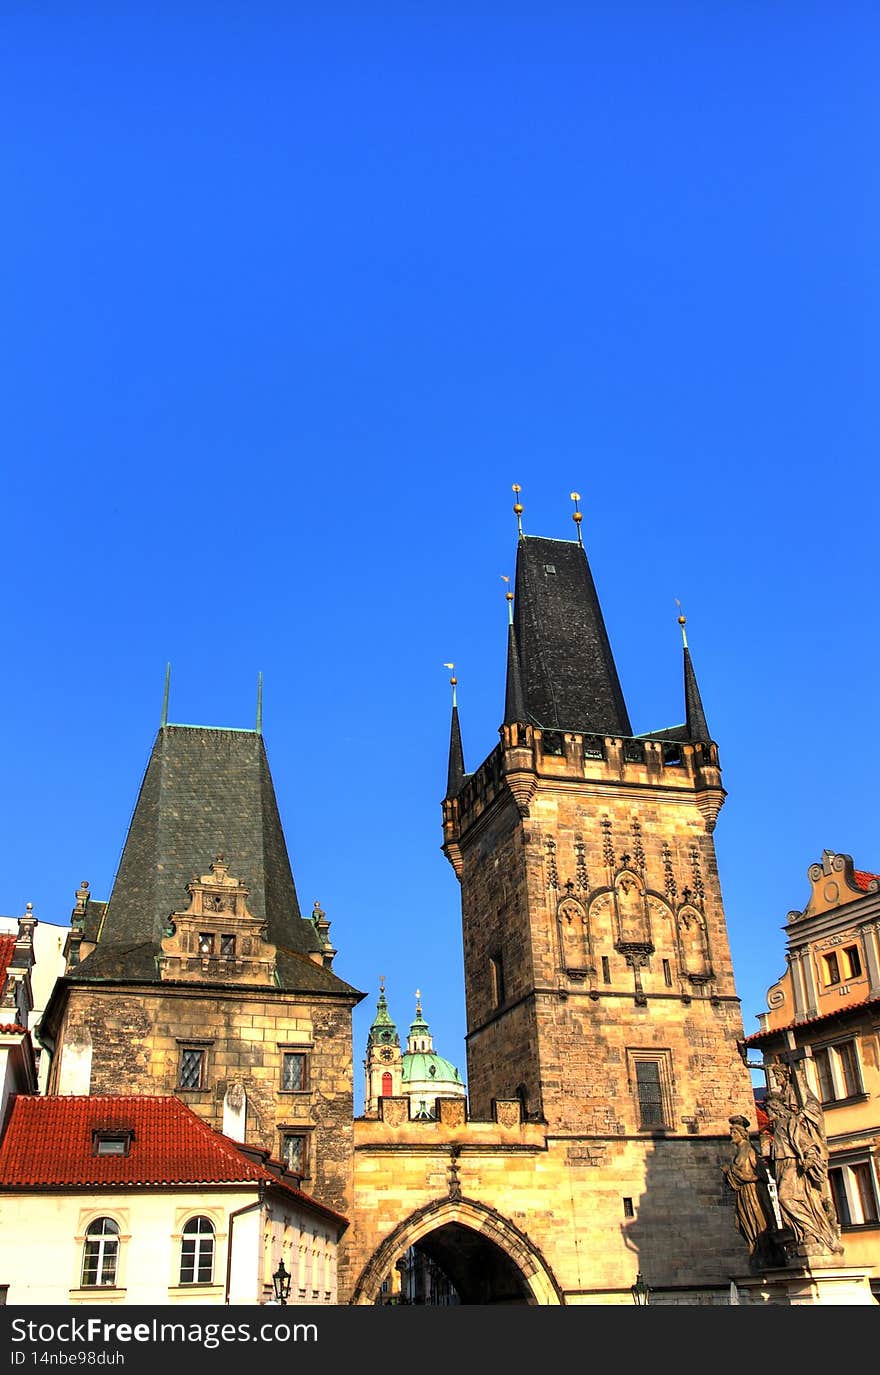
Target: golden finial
<point x="517" y="508"/>
<point x="576" y="514"/>
<point x="418" y="1002"/>
<point x="682" y="622"/>
<point x="453" y="680"/>
<point x="509" y="595"/>
<point x="381" y="983"/>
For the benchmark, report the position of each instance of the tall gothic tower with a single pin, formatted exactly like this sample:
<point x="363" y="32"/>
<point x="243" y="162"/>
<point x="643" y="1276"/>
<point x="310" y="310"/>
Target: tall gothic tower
<point x="201" y="978"/>
<point x="598" y="978"/>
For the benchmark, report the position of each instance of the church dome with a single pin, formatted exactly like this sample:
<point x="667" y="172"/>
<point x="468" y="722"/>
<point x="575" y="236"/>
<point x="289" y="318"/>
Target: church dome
<point x="427" y="1067"/>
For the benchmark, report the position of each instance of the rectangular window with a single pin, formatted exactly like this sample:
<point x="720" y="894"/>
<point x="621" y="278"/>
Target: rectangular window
<point x="854" y="1190"/>
<point x="821" y="1060"/>
<point x="852" y="961"/>
<point x="111" y="1143"/>
<point x="864" y="1181"/>
<point x="837" y="1071"/>
<point x="667" y="974"/>
<point x="206" y="942"/>
<point x="293" y="1152"/>
<point x="650" y="1093"/>
<point x="606" y="970"/>
<point x="628" y="1209"/>
<point x="192" y="1068"/>
<point x="227" y="946"/>
<point x="838" y="1193"/>
<point x="294" y="1071"/>
<point x="496" y="972"/>
<point x="849" y="1068"/>
<point x="831" y="970"/>
<point x="650" y="1078"/>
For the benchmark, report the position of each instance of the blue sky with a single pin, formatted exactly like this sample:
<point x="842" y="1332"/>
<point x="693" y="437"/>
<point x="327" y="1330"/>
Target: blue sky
<point x="292" y="294"/>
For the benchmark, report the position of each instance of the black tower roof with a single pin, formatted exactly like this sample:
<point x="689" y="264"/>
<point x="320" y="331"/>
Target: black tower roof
<point x="456" y="774"/>
<point x="205" y="791"/>
<point x="697" y="728"/>
<point x="567" y="673"/>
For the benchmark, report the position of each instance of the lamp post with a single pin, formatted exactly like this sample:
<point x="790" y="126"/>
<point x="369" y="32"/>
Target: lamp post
<point x="281" y="1283"/>
<point x="640" y="1291"/>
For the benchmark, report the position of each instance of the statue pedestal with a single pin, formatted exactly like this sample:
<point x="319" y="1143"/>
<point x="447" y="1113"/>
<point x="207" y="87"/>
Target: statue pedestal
<point x="827" y="1284"/>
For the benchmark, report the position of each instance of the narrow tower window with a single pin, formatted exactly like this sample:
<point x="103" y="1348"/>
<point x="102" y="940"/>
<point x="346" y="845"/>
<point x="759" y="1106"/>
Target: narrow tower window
<point x="496" y="972"/>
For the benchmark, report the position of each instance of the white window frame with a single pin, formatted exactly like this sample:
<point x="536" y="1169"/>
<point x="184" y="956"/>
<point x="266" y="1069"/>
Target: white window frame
<point x="99" y="1245"/>
<point x="836" y="1070"/>
<point x="204" y="1240"/>
<point x="845" y="1168"/>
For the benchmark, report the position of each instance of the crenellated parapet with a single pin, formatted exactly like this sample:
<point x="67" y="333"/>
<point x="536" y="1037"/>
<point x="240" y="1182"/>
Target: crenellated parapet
<point x="528" y="757"/>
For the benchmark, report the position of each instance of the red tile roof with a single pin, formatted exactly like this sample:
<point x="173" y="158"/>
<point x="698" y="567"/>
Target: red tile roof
<point x="7" y="950"/>
<point x="12" y="1029"/>
<point x="758" y="1036"/>
<point x="49" y="1143"/>
<point x="863" y="879"/>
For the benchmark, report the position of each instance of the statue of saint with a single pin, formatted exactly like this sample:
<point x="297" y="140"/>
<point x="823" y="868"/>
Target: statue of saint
<point x="747" y="1176"/>
<point x="799" y="1153"/>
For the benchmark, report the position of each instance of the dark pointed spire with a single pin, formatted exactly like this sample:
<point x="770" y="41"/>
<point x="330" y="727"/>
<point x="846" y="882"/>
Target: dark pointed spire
<point x="568" y="676"/>
<point x="514" y="702"/>
<point x="456" y="775"/>
<point x="695" y="717"/>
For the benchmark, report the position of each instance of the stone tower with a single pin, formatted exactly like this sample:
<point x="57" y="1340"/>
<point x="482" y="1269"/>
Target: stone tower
<point x="200" y="977"/>
<point x="598" y="978"/>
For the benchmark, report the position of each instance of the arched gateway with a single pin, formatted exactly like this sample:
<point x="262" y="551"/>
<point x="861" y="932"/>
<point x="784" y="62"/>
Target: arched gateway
<point x="486" y="1258"/>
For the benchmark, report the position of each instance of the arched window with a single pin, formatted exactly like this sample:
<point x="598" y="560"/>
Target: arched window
<point x="197" y="1252"/>
<point x="386" y="1084"/>
<point x="100" y="1253"/>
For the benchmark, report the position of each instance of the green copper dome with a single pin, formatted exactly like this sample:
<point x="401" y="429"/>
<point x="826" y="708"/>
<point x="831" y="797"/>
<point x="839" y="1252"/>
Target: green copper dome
<point x="426" y="1066"/>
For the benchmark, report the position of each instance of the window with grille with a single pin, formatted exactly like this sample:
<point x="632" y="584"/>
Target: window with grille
<point x="650" y="1093"/>
<point x="293" y="1152"/>
<point x="192" y="1068"/>
<point x="227" y="946"/>
<point x="294" y="1066"/>
<point x="650" y="1075"/>
<point x="100" y="1253"/>
<point x="197" y="1252"/>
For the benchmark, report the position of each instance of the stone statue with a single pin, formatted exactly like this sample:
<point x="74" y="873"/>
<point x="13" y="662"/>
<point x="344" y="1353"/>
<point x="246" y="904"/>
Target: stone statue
<point x="747" y="1176"/>
<point x="799" y="1154"/>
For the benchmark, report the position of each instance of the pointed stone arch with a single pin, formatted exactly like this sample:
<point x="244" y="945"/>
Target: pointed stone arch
<point x="539" y="1285"/>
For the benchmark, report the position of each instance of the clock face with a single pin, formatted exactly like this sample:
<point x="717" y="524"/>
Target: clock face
<point x="387" y="1054"/>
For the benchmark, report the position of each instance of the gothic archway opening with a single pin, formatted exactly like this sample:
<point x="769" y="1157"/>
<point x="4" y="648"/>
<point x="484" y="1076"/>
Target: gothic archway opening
<point x="457" y="1252"/>
<point x="455" y="1265"/>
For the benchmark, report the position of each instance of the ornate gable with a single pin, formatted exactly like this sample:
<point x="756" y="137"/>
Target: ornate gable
<point x="217" y="940"/>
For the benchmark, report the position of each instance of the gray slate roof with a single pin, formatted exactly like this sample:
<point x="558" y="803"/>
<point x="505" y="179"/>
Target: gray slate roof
<point x="205" y="791"/>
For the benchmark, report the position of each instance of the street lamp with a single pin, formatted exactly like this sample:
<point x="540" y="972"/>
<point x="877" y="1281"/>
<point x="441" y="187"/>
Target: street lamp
<point x="640" y="1291"/>
<point x="281" y="1283"/>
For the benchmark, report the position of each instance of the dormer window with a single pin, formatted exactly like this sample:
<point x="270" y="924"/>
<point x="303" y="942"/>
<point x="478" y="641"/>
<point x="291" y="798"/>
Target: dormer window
<point x="227" y="946"/>
<point x="115" y="1142"/>
<point x="206" y="942"/>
